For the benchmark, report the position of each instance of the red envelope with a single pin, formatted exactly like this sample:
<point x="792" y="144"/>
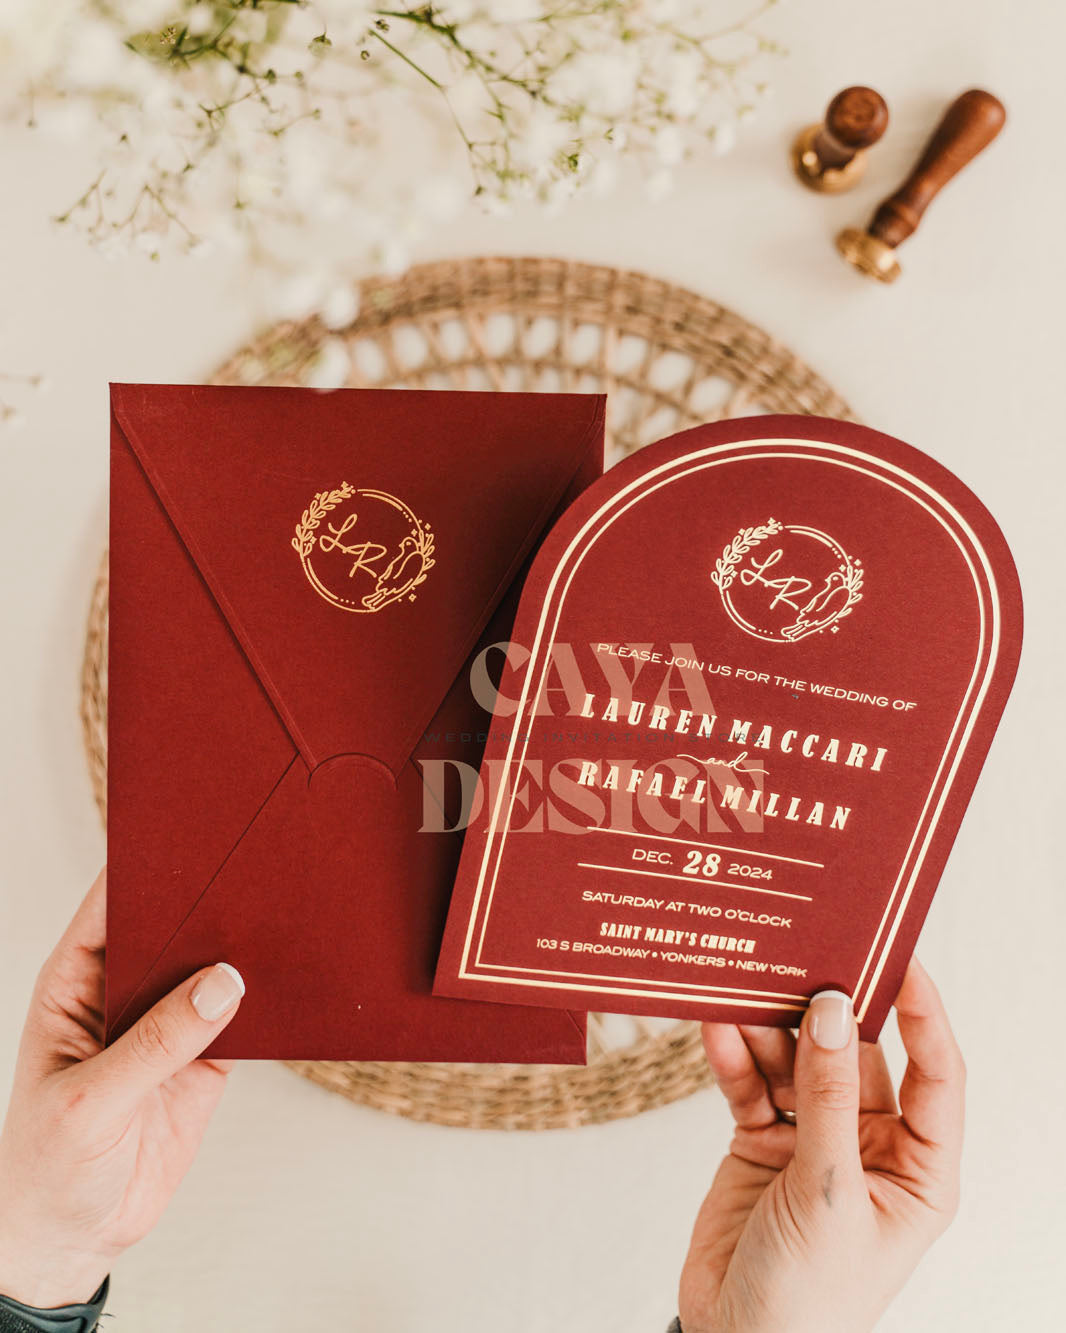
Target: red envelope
<point x="300" y="585"/>
<point x="762" y="664"/>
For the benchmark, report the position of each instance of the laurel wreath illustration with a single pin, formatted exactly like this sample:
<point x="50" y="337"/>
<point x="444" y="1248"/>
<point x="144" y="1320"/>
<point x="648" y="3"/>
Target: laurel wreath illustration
<point x="424" y="546"/>
<point x="851" y="581"/>
<point x="312" y="516"/>
<point x="725" y="568"/>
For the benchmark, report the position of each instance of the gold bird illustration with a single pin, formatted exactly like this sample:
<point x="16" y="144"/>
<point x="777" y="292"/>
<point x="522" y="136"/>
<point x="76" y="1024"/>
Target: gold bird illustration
<point x="827" y="605"/>
<point x="399" y="574"/>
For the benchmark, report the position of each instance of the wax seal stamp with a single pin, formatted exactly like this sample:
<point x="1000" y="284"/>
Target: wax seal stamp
<point x="831" y="157"/>
<point x="969" y="125"/>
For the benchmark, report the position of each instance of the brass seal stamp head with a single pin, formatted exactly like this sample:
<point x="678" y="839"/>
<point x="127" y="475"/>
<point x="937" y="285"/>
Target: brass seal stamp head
<point x="831" y="157"/>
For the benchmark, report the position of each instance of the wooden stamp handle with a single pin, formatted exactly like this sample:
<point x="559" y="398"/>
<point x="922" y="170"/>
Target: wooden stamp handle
<point x="855" y="119"/>
<point x="969" y="125"/>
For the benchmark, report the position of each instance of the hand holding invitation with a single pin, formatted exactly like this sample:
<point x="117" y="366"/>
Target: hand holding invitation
<point x="825" y="1213"/>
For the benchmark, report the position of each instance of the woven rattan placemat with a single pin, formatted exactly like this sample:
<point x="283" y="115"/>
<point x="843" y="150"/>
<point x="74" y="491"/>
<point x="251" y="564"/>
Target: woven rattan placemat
<point x="668" y="359"/>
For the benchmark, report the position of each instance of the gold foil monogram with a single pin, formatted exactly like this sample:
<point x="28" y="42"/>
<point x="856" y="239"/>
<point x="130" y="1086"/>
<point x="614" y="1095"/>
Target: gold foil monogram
<point x="782" y="582"/>
<point x="362" y="550"/>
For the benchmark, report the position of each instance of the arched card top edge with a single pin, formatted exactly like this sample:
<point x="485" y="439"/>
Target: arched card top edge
<point x="715" y="442"/>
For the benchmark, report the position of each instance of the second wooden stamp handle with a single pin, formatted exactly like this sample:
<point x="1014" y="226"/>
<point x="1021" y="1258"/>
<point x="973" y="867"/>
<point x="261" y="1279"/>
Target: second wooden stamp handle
<point x="970" y="124"/>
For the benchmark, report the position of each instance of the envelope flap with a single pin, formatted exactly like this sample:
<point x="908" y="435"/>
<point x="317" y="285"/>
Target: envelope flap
<point x="356" y="541"/>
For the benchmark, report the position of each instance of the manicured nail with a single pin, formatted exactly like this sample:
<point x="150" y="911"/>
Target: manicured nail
<point x="217" y="992"/>
<point x="832" y="1019"/>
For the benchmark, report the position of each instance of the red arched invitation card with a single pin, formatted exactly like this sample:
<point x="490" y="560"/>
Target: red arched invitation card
<point x="754" y="674"/>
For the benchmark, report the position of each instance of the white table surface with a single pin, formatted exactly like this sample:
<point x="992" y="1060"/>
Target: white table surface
<point x="302" y="1205"/>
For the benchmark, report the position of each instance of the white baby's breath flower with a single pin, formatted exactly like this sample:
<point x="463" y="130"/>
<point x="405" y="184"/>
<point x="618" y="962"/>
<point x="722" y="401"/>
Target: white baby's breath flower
<point x="147" y="242"/>
<point x="604" y="175"/>
<point x="733" y="48"/>
<point x="684" y="83"/>
<point x="345" y="23"/>
<point x="669" y="145"/>
<point x="257" y="187"/>
<point x="331" y="367"/>
<point x="215" y="127"/>
<point x="113" y="246"/>
<point x="147" y="15"/>
<point x="340" y="306"/>
<point x="32" y="35"/>
<point x="658" y="11"/>
<point x="200" y="19"/>
<point x="302" y="24"/>
<point x="605" y="80"/>
<point x="393" y="255"/>
<point x="540" y="136"/>
<point x="749" y="94"/>
<point x="484" y="37"/>
<point x="459" y="11"/>
<point x="250" y="25"/>
<point x="96" y="57"/>
<point x="514" y="11"/>
<point x="471" y="102"/>
<point x="302" y="294"/>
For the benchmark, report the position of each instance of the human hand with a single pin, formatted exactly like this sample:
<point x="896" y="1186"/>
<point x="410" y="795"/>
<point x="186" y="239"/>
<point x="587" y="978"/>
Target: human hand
<point x="96" y="1141"/>
<point x="814" y="1227"/>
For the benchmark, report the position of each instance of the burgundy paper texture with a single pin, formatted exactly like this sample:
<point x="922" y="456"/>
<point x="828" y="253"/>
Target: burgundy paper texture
<point x="299" y="584"/>
<point x="837" y="623"/>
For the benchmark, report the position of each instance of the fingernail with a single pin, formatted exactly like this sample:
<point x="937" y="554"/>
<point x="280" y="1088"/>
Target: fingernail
<point x="831" y="1019"/>
<point x="217" y="992"/>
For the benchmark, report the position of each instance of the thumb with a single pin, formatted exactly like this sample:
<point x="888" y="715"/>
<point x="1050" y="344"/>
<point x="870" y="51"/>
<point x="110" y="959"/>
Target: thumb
<point x="827" y="1090"/>
<point x="171" y="1034"/>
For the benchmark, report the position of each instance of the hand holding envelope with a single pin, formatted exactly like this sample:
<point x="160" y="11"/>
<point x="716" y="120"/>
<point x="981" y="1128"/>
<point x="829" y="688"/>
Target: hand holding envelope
<point x="300" y="582"/>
